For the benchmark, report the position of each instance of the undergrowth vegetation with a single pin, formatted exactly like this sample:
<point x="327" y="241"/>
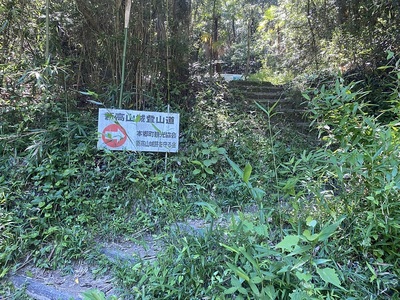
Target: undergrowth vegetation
<point x="290" y="218"/>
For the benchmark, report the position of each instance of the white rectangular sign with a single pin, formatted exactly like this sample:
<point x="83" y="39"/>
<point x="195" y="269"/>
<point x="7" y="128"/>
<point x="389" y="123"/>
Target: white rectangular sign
<point x="121" y="129"/>
<point x="230" y="77"/>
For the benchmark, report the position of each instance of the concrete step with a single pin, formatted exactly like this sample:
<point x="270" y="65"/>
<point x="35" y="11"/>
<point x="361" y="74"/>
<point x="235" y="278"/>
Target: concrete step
<point x="256" y="90"/>
<point x="260" y="89"/>
<point x="271" y="101"/>
<point x="248" y="86"/>
<point x="262" y="95"/>
<point x="267" y="95"/>
<point x="244" y="83"/>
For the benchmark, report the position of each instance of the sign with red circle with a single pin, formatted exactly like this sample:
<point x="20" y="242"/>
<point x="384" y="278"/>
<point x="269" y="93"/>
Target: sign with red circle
<point x="147" y="130"/>
<point x="114" y="135"/>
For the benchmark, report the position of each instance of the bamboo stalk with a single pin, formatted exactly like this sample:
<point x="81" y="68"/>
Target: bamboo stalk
<point x="128" y="4"/>
<point x="46" y="54"/>
<point x="168" y="54"/>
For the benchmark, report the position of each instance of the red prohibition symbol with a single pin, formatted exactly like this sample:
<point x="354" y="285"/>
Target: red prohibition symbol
<point x="114" y="135"/>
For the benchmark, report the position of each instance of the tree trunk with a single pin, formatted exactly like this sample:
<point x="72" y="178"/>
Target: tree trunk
<point x="341" y="5"/>
<point x="247" y="71"/>
<point x="313" y="38"/>
<point x="180" y="40"/>
<point x="233" y="30"/>
<point x="216" y="62"/>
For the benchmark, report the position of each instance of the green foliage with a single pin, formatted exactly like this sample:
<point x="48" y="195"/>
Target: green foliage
<point x="365" y="157"/>
<point x="339" y="109"/>
<point x="361" y="166"/>
<point x="201" y="266"/>
<point x="315" y="35"/>
<point x="268" y="75"/>
<point x="96" y="295"/>
<point x="209" y="158"/>
<point x="7" y="291"/>
<point x="257" y="194"/>
<point x="58" y="195"/>
<point x="189" y="268"/>
<point x="301" y="267"/>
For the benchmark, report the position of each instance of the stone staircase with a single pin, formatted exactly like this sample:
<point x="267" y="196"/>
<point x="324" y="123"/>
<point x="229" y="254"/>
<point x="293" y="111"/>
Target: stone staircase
<point x="289" y="106"/>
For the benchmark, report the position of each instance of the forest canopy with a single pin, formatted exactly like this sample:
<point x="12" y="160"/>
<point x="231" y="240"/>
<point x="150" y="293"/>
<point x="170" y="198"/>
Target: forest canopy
<point x="169" y="40"/>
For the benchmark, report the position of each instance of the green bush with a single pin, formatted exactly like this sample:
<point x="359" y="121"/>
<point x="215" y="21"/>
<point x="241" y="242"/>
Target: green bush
<point x="362" y="165"/>
<point x="298" y="267"/>
<point x="190" y="267"/>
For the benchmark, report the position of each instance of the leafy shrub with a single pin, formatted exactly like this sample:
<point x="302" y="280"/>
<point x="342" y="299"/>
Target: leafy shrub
<point x="302" y="269"/>
<point x="362" y="163"/>
<point x="190" y="267"/>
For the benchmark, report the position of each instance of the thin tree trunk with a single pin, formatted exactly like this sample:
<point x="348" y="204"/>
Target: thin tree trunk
<point x="246" y="73"/>
<point x="233" y="30"/>
<point x="341" y="5"/>
<point x="214" y="45"/>
<point x="313" y="39"/>
<point x="215" y="49"/>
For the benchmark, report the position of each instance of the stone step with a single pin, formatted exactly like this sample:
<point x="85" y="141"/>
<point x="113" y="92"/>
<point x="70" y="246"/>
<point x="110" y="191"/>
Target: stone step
<point x="267" y="95"/>
<point x="251" y="89"/>
<point x="262" y="95"/>
<point x="253" y="83"/>
<point x="257" y="90"/>
<point x="248" y="86"/>
<point x="281" y="101"/>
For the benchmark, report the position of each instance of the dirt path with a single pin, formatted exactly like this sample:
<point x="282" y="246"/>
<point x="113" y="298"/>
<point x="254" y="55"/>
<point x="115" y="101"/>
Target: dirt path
<point x="43" y="284"/>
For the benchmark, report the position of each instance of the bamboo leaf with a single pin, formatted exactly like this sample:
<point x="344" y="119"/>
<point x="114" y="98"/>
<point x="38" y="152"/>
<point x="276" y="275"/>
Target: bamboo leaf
<point x="89" y="93"/>
<point x="93" y="295"/>
<point x="247" y="172"/>
<point x="95" y="102"/>
<point x="196" y="162"/>
<point x="254" y="289"/>
<point x="239" y="272"/>
<point x="156" y="128"/>
<point x="234" y="166"/>
<point x="250" y="258"/>
<point x="327" y="231"/>
<point x="207" y="207"/>
<point x="229" y="248"/>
